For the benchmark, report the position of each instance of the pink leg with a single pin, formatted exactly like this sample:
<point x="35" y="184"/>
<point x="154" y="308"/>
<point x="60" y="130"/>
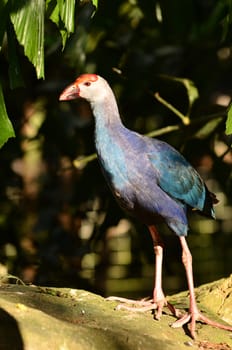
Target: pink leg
<point x="194" y="314"/>
<point x="158" y="295"/>
<point x="159" y="300"/>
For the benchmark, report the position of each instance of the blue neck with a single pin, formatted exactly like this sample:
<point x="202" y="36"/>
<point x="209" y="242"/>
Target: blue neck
<point x="109" y="132"/>
<point x="108" y="123"/>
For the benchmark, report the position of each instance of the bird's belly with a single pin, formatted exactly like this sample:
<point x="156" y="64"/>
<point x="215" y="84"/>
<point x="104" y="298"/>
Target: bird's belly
<point x="137" y="203"/>
<point x="152" y="205"/>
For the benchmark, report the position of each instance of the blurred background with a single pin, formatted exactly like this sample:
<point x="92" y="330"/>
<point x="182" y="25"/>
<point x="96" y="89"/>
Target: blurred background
<point x="59" y="224"/>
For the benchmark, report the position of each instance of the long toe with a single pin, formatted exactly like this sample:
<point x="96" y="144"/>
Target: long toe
<point x="164" y="303"/>
<point x="181" y="321"/>
<point x="133" y="305"/>
<point x="159" y="308"/>
<point x="141" y="302"/>
<point x="206" y="320"/>
<point x="192" y="318"/>
<point x="184" y="320"/>
<point x="144" y="305"/>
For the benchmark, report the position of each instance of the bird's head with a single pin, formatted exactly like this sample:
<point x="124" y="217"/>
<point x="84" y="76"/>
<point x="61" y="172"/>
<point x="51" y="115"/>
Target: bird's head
<point x="91" y="87"/>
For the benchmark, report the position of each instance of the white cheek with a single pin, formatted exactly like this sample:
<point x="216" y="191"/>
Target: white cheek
<point x="83" y="93"/>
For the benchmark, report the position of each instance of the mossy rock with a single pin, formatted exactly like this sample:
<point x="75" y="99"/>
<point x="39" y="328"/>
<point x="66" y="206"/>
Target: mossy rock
<point x="66" y="319"/>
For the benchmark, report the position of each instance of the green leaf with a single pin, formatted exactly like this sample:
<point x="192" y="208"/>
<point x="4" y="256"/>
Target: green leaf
<point x="7" y="130"/>
<point x="62" y="14"/>
<point x="53" y="11"/>
<point x="95" y="3"/>
<point x="229" y="121"/>
<point x="67" y="11"/>
<point x="28" y="21"/>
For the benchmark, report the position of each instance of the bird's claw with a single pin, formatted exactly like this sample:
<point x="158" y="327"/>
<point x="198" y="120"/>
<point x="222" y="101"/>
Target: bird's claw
<point x="135" y="305"/>
<point x="189" y="318"/>
<point x="192" y="318"/>
<point x="145" y="305"/>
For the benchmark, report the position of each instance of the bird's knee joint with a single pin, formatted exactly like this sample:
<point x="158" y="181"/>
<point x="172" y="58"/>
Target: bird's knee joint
<point x="158" y="249"/>
<point x="187" y="257"/>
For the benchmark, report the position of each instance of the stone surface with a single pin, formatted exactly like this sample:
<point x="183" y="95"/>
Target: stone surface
<point x="39" y="318"/>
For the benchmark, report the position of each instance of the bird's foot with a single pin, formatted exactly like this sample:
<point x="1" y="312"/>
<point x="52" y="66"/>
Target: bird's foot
<point x="192" y="317"/>
<point x="144" y="305"/>
<point x="133" y="305"/>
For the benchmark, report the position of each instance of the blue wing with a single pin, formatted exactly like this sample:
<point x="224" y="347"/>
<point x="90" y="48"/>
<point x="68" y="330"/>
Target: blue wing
<point x="176" y="176"/>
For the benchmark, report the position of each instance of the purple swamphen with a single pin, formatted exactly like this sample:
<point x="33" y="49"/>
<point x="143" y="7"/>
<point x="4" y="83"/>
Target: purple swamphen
<point x="151" y="181"/>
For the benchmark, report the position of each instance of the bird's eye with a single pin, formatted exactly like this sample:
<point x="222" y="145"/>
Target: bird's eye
<point x="87" y="83"/>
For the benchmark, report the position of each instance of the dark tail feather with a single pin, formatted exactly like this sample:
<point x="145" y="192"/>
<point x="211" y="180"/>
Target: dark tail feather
<point x="210" y="199"/>
<point x="213" y="197"/>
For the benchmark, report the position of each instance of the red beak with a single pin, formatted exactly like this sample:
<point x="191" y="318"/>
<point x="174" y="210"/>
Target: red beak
<point x="70" y="93"/>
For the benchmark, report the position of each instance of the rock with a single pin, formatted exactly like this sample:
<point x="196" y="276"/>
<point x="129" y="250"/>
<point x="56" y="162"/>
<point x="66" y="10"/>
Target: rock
<point x="40" y="318"/>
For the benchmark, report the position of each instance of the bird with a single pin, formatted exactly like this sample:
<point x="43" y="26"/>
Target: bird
<point x="152" y="182"/>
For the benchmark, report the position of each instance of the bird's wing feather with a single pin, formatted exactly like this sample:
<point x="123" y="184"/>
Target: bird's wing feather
<point x="176" y="176"/>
